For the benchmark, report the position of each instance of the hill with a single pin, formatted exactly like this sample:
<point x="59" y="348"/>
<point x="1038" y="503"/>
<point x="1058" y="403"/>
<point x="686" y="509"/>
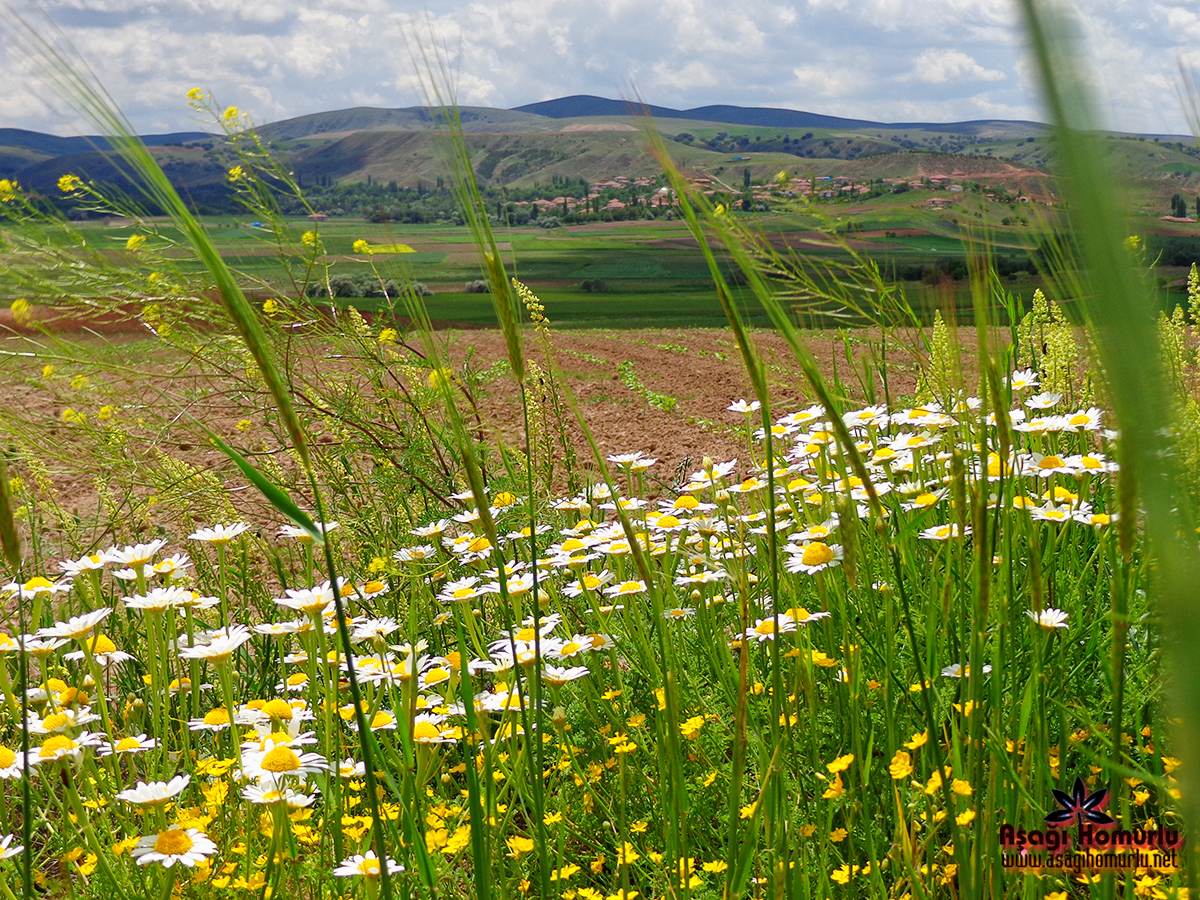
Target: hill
<point x="766" y="117"/>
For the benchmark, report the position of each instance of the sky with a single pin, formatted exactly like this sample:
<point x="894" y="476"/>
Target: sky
<point x="885" y="60"/>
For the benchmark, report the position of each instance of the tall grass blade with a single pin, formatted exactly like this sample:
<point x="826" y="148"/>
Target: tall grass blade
<point x="1121" y="314"/>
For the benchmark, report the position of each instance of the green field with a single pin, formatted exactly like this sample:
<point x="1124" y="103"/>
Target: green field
<point x="651" y="273"/>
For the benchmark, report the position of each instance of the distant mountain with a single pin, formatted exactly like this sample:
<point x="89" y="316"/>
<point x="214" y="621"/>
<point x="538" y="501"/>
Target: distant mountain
<point x="54" y="145"/>
<point x="762" y="116"/>
<point x="414" y="118"/>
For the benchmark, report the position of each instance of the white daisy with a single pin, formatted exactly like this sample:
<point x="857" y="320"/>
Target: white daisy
<point x="187" y="848"/>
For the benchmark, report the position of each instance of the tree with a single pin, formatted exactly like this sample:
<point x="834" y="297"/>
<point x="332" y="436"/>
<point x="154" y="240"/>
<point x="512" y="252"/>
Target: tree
<point x="746" y="178"/>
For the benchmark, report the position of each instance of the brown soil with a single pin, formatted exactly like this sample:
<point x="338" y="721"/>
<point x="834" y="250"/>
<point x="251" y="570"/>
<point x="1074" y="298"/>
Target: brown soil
<point x="700" y="369"/>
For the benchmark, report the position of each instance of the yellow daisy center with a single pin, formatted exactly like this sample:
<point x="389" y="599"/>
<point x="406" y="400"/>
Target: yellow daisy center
<point x="7" y="757"/>
<point x="58" y="720"/>
<point x="278" y="709"/>
<point x="382" y="720"/>
<point x="1080" y="419"/>
<point x="216" y="717"/>
<point x="479" y="545"/>
<point x="425" y="731"/>
<point x="369" y="867"/>
<point x="925" y="499"/>
<point x="173" y="843"/>
<point x="56" y="744"/>
<point x="572" y="544"/>
<point x="298" y="678"/>
<point x="687" y="501"/>
<point x="129" y="743"/>
<point x="816" y="554"/>
<point x="280" y="759"/>
<point x="101" y="644"/>
<point x="464" y="593"/>
<point x="1050" y="462"/>
<point x="766" y="626"/>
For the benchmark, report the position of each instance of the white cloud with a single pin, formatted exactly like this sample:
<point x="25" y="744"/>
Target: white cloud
<point x="877" y="59"/>
<point x="940" y="66"/>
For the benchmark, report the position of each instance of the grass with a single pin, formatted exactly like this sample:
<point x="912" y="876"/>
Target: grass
<point x="842" y="665"/>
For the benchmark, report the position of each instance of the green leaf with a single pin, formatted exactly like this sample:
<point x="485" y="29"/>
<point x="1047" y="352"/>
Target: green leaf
<point x="274" y="495"/>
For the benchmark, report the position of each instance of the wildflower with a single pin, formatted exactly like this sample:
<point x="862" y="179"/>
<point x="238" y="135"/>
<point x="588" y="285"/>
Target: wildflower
<point x="958" y="670"/>
<point x="135" y="744"/>
<point x="362" y="247"/>
<point x="156" y="792"/>
<point x="136" y="555"/>
<point x="220" y="648"/>
<point x="901" y="765"/>
<point x="7" y="851"/>
<point x="68" y="184"/>
<point x="1023" y="379"/>
<point x="277" y="759"/>
<point x="741" y="406"/>
<point x="518" y="845"/>
<point x="104" y="651"/>
<point x="219" y="534"/>
<point x="61" y="747"/>
<point x="920" y="739"/>
<point x="944" y="532"/>
<point x="841" y="764"/>
<point x="173" y="846"/>
<point x="626" y="589"/>
<point x="764" y="629"/>
<point x="1050" y="618"/>
<point x="77" y="627"/>
<point x="815" y="557"/>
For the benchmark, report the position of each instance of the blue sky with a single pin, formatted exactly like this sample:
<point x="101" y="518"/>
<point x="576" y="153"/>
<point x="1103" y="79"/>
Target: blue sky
<point x="889" y="60"/>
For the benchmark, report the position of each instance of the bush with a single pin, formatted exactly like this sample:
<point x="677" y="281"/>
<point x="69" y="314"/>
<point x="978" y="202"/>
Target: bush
<point x="479" y="286"/>
<point x="593" y="286"/>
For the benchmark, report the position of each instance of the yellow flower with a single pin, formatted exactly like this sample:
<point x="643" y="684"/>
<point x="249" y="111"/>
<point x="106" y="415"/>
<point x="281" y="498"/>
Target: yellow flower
<point x="8" y="190"/>
<point x="388" y="336"/>
<point x="231" y="113"/>
<point x="748" y="810"/>
<point x="518" y="845"/>
<point x="79" y="382"/>
<point x="270" y="307"/>
<point x="638" y="827"/>
<point x="135" y="241"/>
<point x="841" y="875"/>
<point x="361" y="246"/>
<point x="710" y="778"/>
<point x="69" y="183"/>
<point x="47" y="371"/>
<point x="965" y="818"/>
<point x="841" y="764"/>
<point x="21" y="314"/>
<point x="716" y="866"/>
<point x="309" y="239"/>
<point x="834" y="790"/>
<point x="838" y="835"/>
<point x="934" y="783"/>
<point x="237" y="173"/>
<point x="901" y="765"/>
<point x="962" y="787"/>
<point x="195" y="94"/>
<point x="918" y="740"/>
<point x="71" y="416"/>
